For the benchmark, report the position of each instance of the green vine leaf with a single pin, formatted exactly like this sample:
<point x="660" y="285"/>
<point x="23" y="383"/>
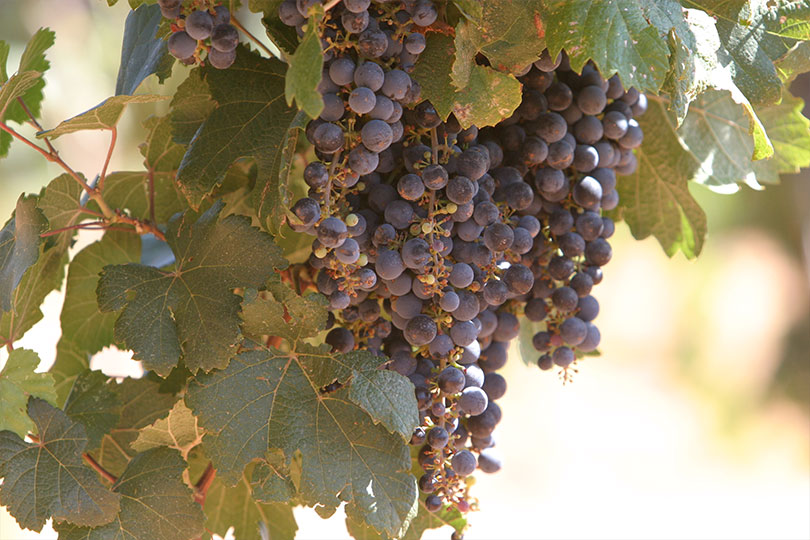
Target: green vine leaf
<point x="233" y="506"/>
<point x="60" y="202"/>
<point x="142" y="403"/>
<point x="270" y="480"/>
<point x="142" y="52"/>
<point x="48" y="479"/>
<point x="105" y="115"/>
<point x="191" y="310"/>
<point x="741" y="28"/>
<point x="94" y="404"/>
<point x="82" y="321"/>
<point x="155" y="503"/>
<point x="275" y="399"/>
<point x="71" y="361"/>
<point x="794" y="62"/>
<point x="509" y="34"/>
<point x="618" y="35"/>
<point x="305" y="71"/>
<point x="179" y="430"/>
<point x="282" y="402"/>
<point x="385" y="395"/>
<point x="251" y="120"/>
<point x="27" y="83"/>
<point x="191" y="105"/>
<point x="19" y="247"/>
<point x="488" y="97"/>
<point x="19" y="381"/>
<point x="37" y="282"/>
<point x="655" y="198"/>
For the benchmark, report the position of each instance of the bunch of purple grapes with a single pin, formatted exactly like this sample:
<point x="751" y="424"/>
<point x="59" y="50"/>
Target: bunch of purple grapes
<point x="569" y="138"/>
<point x="193" y="27"/>
<point x="431" y="240"/>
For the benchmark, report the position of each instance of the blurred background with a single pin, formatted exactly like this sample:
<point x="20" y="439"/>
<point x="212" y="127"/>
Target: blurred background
<point x="694" y="422"/>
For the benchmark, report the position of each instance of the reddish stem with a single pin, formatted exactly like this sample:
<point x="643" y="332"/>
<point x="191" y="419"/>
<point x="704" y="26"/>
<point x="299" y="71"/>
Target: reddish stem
<point x="205" y="481"/>
<point x="113" y="138"/>
<point x="98" y="468"/>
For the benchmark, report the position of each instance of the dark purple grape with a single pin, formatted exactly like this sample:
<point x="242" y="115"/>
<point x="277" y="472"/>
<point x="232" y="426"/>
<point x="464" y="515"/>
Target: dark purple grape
<point x="224" y="37"/>
<point x="181" y="45"/>
<point x="199" y="24"/>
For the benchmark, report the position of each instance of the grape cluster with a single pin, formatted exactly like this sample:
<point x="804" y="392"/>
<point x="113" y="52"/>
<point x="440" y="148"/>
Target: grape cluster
<point x="569" y="138"/>
<point x="191" y="28"/>
<point x="430" y="240"/>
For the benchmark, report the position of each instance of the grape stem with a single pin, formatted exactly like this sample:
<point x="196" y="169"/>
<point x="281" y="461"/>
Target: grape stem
<point x="103" y="176"/>
<point x="96" y="466"/>
<point x="204" y="482"/>
<point x="51" y="154"/>
<point x="254" y="39"/>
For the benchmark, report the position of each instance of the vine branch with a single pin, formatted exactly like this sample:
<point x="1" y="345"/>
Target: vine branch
<point x="96" y="466"/>
<point x="204" y="482"/>
<point x="110" y="216"/>
<point x="254" y="39"/>
<point x="103" y="176"/>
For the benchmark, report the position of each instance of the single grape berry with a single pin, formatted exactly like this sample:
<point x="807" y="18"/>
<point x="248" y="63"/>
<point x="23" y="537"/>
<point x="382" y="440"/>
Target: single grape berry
<point x="199" y="24"/>
<point x="224" y="37"/>
<point x="220" y="59"/>
<point x="182" y="45"/>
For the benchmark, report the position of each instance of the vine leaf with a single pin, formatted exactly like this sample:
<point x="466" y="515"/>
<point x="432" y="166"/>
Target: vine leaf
<point x="270" y="480"/>
<point x="655" y="198"/>
<point x="385" y="395"/>
<point x="505" y="32"/>
<point x="234" y="506"/>
<point x="305" y="70"/>
<point x="251" y="120"/>
<point x="94" y="404"/>
<point x="60" y="202"/>
<point x="142" y="403"/>
<point x="18" y="382"/>
<point x="105" y="115"/>
<point x="618" y="35"/>
<point x="40" y="279"/>
<point x="160" y="152"/>
<point x="27" y="83"/>
<point x="190" y="311"/>
<point x="19" y="247"/>
<point x="488" y="97"/>
<point x="71" y="361"/>
<point x="142" y="52"/>
<point x="742" y="30"/>
<point x="179" y="430"/>
<point x="191" y="105"/>
<point x="82" y="321"/>
<point x="789" y="131"/>
<point x="48" y="479"/>
<point x="794" y="62"/>
<point x="155" y="503"/>
<point x="276" y="400"/>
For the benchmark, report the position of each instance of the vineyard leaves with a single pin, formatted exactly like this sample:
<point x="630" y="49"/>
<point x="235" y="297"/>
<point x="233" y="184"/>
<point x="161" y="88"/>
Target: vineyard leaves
<point x="190" y="311"/>
<point x="19" y="247"/>
<point x="48" y="478"/>
<point x="18" y="381"/>
<point x="26" y="84"/>
<point x="251" y="120"/>
<point x="278" y="399"/>
<point x="142" y="52"/>
<point x="155" y="503"/>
